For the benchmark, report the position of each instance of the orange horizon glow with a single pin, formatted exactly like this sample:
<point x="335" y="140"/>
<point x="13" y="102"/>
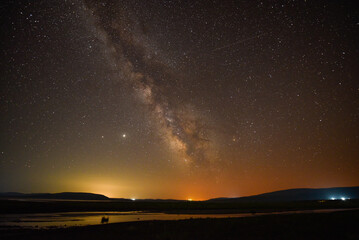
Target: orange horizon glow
<point x="201" y="189"/>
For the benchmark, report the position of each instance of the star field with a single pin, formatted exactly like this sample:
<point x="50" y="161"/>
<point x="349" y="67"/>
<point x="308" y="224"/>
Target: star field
<point x="178" y="99"/>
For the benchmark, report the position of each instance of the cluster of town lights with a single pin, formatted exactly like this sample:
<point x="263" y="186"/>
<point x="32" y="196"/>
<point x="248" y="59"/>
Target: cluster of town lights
<point x="341" y="198"/>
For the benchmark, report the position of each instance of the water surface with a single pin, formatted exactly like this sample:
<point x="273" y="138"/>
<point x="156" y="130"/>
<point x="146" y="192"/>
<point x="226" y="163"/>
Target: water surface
<point x="68" y="219"/>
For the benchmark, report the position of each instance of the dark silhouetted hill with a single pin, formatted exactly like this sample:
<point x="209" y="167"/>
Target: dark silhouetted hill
<point x="299" y="194"/>
<point x="64" y="196"/>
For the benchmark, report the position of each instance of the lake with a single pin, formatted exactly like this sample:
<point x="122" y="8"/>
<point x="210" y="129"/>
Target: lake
<point x="69" y="219"/>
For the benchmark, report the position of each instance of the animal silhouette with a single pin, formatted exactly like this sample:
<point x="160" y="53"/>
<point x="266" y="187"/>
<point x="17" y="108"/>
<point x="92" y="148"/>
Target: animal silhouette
<point x="105" y="219"/>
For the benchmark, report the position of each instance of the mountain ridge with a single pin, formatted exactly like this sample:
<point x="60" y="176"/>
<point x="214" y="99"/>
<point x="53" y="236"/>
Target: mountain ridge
<point x="60" y="196"/>
<point x="293" y="194"/>
<point x="299" y="194"/>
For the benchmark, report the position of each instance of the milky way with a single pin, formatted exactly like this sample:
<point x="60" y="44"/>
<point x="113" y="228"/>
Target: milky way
<point x="178" y="125"/>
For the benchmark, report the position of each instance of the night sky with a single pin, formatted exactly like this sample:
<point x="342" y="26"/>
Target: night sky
<point x="178" y="99"/>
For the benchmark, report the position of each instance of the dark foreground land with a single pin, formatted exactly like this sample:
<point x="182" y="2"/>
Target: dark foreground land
<point x="335" y="225"/>
<point x="43" y="206"/>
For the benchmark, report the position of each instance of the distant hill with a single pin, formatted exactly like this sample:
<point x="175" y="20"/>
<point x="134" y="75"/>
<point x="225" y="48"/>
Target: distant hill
<point x="63" y="196"/>
<point x="299" y="194"/>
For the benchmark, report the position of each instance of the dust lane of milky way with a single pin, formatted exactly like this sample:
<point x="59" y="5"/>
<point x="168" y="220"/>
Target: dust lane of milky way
<point x="180" y="126"/>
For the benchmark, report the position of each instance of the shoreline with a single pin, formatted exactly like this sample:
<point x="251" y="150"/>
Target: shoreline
<point x="333" y="225"/>
<point x="80" y="219"/>
<point x="22" y="207"/>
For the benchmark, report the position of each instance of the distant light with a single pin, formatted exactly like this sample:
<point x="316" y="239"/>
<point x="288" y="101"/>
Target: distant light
<point x="332" y="198"/>
<point x="133" y="199"/>
<point x="189" y="199"/>
<point x="124" y="135"/>
<point x="343" y="198"/>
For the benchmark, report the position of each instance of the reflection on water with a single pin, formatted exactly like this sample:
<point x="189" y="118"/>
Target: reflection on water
<point x="68" y="219"/>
